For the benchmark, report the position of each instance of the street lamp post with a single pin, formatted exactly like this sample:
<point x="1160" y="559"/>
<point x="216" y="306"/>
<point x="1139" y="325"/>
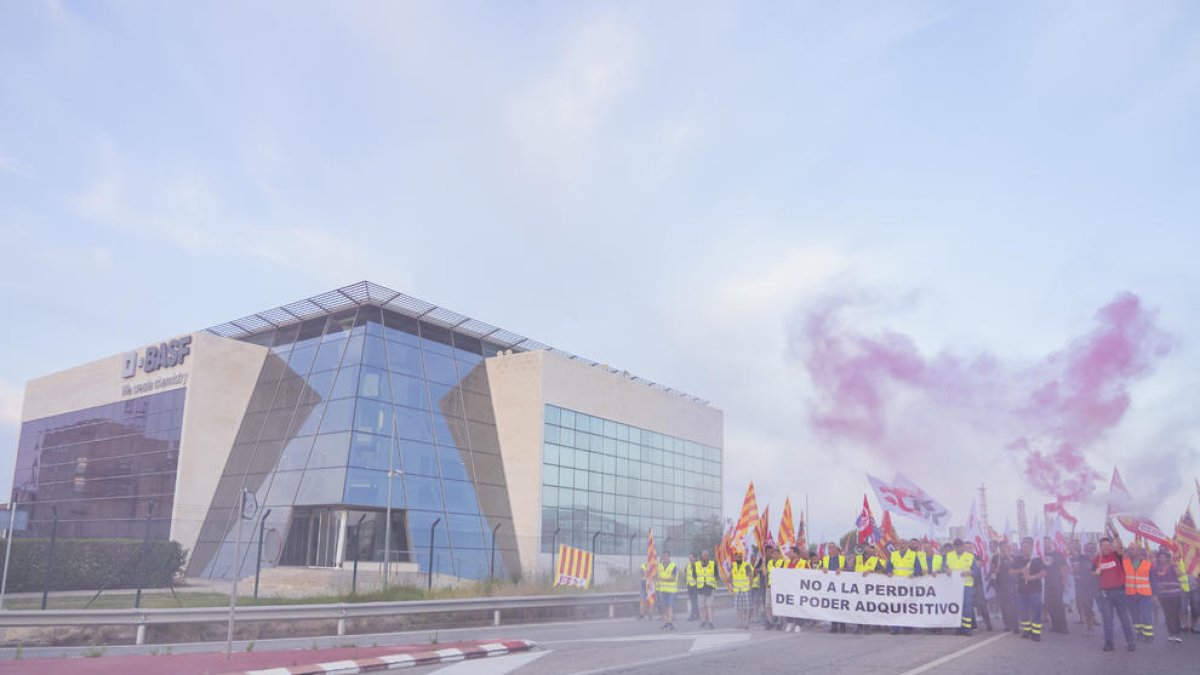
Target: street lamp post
<point x="387" y="526"/>
<point x="632" y="537"/>
<point x="262" y="523"/>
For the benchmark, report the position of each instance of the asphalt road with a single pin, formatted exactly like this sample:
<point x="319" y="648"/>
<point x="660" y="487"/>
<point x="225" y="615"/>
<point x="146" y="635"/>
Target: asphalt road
<point x="635" y="647"/>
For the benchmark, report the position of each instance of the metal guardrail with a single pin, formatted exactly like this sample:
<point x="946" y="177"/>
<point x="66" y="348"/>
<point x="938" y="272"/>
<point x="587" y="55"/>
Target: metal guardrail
<point x="140" y="618"/>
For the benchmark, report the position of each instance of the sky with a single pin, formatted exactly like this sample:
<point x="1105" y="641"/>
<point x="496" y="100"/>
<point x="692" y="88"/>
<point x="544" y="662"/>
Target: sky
<point x="948" y="239"/>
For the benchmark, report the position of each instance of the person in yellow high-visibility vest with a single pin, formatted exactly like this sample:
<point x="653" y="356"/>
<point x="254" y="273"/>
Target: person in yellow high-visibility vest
<point x="960" y="561"/>
<point x="739" y="573"/>
<point x="693" y="608"/>
<point x="775" y="560"/>
<point x="865" y="562"/>
<point x="834" y="562"/>
<point x="706" y="587"/>
<point x="904" y="564"/>
<point x="666" y="586"/>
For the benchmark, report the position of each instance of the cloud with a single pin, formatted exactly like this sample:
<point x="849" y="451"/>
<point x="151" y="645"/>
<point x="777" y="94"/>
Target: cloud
<point x="17" y="168"/>
<point x="557" y="118"/>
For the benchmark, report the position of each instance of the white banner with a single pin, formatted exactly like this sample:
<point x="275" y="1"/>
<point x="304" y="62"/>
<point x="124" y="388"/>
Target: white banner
<point x="849" y="597"/>
<point x="904" y="498"/>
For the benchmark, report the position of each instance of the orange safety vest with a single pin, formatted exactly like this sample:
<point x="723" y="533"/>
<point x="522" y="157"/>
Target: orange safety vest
<point x="1137" y="580"/>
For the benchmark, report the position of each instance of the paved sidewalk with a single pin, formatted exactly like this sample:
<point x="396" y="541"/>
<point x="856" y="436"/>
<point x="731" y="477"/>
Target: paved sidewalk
<point x="294" y="661"/>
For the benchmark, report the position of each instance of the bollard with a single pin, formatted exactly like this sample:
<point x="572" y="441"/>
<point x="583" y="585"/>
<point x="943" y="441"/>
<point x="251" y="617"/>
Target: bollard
<point x="341" y="626"/>
<point x="141" y="635"/>
<point x="496" y="617"/>
<point x="612" y="611"/>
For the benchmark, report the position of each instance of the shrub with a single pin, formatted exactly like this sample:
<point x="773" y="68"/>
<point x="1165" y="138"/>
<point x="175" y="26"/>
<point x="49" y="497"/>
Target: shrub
<point x="85" y="564"/>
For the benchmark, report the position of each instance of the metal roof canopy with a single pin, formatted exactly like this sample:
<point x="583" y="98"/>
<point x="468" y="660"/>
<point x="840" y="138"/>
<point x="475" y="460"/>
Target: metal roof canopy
<point x="366" y="293"/>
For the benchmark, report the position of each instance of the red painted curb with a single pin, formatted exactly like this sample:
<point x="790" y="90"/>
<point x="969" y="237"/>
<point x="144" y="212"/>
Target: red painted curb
<point x="477" y="650"/>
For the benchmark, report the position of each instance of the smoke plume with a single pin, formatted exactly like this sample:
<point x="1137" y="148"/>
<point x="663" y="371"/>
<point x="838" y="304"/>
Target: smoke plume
<point x="1048" y="412"/>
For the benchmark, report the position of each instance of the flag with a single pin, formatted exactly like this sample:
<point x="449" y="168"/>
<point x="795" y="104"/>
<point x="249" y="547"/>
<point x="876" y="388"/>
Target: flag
<point x="887" y="534"/>
<point x="651" y="568"/>
<point x="903" y="497"/>
<point x="933" y="542"/>
<point x="865" y="524"/>
<point x="821" y="551"/>
<point x="802" y="537"/>
<point x="787" y="529"/>
<point x="1120" y="502"/>
<point x="1146" y="529"/>
<point x="762" y="532"/>
<point x="748" y="520"/>
<point x="724" y="556"/>
<point x="574" y="567"/>
<point x="977" y="540"/>
<point x="1187" y="538"/>
<point x="1059" y="508"/>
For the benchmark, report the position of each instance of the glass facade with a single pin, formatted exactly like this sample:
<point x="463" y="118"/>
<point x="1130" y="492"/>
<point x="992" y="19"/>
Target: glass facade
<point x="341" y="402"/>
<point x="603" y="476"/>
<point x="108" y="471"/>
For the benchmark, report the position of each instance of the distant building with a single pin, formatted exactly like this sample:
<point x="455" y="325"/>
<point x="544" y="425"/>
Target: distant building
<point x="310" y="406"/>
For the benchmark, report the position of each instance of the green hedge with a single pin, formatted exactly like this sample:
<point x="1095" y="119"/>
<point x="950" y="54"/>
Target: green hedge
<point x="88" y="564"/>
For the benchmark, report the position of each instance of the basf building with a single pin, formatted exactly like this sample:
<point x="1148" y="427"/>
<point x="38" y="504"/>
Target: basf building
<point x="311" y="407"/>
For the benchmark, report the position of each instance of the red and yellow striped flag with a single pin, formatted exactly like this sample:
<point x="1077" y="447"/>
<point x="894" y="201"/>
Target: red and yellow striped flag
<point x="762" y="533"/>
<point x="787" y="530"/>
<point x="574" y="567"/>
<point x="748" y="521"/>
<point x="1187" y="538"/>
<point x="651" y="568"/>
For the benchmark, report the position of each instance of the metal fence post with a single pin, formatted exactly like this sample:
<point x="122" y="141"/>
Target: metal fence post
<point x="50" y="556"/>
<point x="262" y="523"/>
<point x="431" y="530"/>
<point x="492" y="567"/>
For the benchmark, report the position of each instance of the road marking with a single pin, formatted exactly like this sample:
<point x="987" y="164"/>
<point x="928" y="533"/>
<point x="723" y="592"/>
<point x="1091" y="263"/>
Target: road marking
<point x="954" y="655"/>
<point x="623" y="667"/>
<point x="496" y="665"/>
<point x="717" y="640"/>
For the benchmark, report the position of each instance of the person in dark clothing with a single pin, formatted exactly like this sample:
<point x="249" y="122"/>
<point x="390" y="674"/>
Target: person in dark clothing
<point x="1029" y="570"/>
<point x="1164" y="579"/>
<point x="1086" y="586"/>
<point x="981" y="603"/>
<point x="1006" y="587"/>
<point x="1056" y="586"/>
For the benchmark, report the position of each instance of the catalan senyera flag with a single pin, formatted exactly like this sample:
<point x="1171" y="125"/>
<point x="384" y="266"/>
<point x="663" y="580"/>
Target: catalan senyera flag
<point x="787" y="529"/>
<point x="888" y="539"/>
<point x="762" y="532"/>
<point x="651" y="568"/>
<point x="1187" y="538"/>
<point x="574" y="567"/>
<point x="724" y="557"/>
<point x="748" y="520"/>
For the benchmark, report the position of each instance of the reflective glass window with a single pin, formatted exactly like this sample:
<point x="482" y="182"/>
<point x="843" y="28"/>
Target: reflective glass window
<point x="329" y="450"/>
<point x="338" y="416"/>
<point x="424" y="492"/>
<point x="419" y="458"/>
<point x="373" y="417"/>
<point x="410" y="391"/>
<point x="373" y="383"/>
<point x="346" y="384"/>
<point x="440" y="368"/>
<point x="405" y="359"/>
<point x="322" y="486"/>
<point x="413" y="424"/>
<point x="329" y="355"/>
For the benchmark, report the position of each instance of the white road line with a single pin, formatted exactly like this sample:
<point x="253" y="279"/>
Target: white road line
<point x="954" y="655"/>
<point x="717" y="640"/>
<point x="496" y="665"/>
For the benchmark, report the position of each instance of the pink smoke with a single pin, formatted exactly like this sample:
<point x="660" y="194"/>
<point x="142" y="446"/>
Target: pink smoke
<point x="1056" y="408"/>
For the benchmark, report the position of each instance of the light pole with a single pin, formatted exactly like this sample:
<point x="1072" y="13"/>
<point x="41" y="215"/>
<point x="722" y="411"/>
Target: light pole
<point x="387" y="526"/>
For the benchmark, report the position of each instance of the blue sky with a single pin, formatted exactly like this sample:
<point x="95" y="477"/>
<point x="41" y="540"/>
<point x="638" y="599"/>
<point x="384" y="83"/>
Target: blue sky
<point x="660" y="186"/>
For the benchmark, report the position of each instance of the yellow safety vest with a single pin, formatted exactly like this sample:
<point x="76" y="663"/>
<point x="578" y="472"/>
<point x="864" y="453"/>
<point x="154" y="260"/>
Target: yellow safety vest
<point x="668" y="579"/>
<point x="841" y="562"/>
<point x="865" y="564"/>
<point x="706" y="575"/>
<point x="1137" y="579"/>
<point x="1184" y="582"/>
<point x="691" y="576"/>
<point x="741" y="577"/>
<point x="962" y="563"/>
<point x="903" y="564"/>
<point x="800" y="564"/>
<point x="773" y="565"/>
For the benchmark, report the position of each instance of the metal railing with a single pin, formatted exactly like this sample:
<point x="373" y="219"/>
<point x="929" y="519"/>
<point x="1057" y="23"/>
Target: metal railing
<point x="341" y="612"/>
